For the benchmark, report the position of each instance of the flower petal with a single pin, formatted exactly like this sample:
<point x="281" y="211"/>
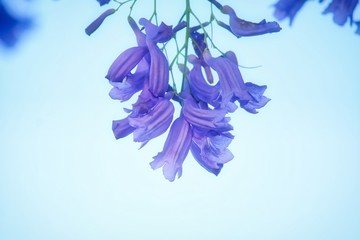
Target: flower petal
<point x="121" y="128"/>
<point x="125" y="62"/>
<point x="158" y="34"/>
<point x="209" y="149"/>
<point x="200" y="89"/>
<point x="175" y="150"/>
<point x="159" y="70"/>
<point x="258" y="100"/>
<point x="205" y="118"/>
<point x="288" y="8"/>
<point x="342" y="10"/>
<point x="231" y="82"/>
<point x="154" y="123"/>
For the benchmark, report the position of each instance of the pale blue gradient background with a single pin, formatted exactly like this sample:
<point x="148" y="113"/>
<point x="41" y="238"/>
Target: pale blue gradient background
<point x="296" y="171"/>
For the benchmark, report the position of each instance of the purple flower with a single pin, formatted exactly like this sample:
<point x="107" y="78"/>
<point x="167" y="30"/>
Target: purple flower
<point x="201" y="90"/>
<point x="288" y="8"/>
<point x="210" y="149"/>
<point x="342" y="10"/>
<point x="98" y="21"/>
<point x="232" y="84"/>
<point x="149" y="118"/>
<point x="133" y="83"/>
<point x="122" y="128"/>
<point x="157" y="34"/>
<point x="147" y="50"/>
<point x="125" y="62"/>
<point x="205" y="118"/>
<point x="258" y="100"/>
<point x="103" y="2"/>
<point x="11" y="27"/>
<point x="175" y="150"/>
<point x="242" y="28"/>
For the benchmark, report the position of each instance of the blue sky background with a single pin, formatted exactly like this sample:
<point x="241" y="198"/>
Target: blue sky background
<point x="63" y="175"/>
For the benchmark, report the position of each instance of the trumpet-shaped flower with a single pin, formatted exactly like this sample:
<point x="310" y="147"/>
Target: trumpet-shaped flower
<point x="175" y="150"/>
<point x="149" y="118"/>
<point x="210" y="149"/>
<point x="232" y="84"/>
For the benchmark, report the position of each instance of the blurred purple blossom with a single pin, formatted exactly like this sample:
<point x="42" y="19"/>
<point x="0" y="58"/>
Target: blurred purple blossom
<point x="11" y="26"/>
<point x="342" y="10"/>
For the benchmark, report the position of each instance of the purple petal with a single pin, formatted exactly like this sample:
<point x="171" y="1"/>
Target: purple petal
<point x="200" y="89"/>
<point x="121" y="128"/>
<point x="205" y="118"/>
<point x="210" y="149"/>
<point x="342" y="10"/>
<point x="102" y="2"/>
<point x="175" y="150"/>
<point x="288" y="8"/>
<point x="145" y="102"/>
<point x="159" y="70"/>
<point x="258" y="100"/>
<point x="140" y="36"/>
<point x="231" y="82"/>
<point x="154" y="123"/>
<point x="242" y="28"/>
<point x="158" y="34"/>
<point x="133" y="83"/>
<point x="98" y="21"/>
<point x="125" y="62"/>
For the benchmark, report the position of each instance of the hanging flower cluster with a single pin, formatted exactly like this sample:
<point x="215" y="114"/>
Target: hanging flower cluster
<point x="203" y="125"/>
<point x="342" y="10"/>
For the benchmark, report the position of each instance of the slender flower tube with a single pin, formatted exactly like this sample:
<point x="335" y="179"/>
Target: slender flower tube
<point x="98" y="21"/>
<point x="242" y="28"/>
<point x="342" y="10"/>
<point x="288" y="9"/>
<point x="175" y="150"/>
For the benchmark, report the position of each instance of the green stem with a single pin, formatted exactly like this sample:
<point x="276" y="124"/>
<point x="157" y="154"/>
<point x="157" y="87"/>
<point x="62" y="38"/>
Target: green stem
<point x="186" y="44"/>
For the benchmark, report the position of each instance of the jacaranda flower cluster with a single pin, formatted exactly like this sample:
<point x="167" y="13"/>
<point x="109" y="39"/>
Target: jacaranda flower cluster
<point x="342" y="10"/>
<point x="203" y="125"/>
